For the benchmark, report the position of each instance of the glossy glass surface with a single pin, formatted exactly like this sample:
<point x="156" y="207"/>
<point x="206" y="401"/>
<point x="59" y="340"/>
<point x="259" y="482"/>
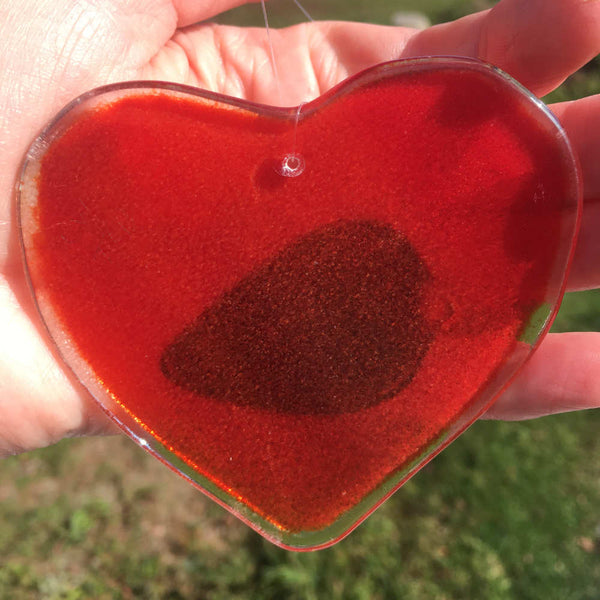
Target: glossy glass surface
<point x="297" y="308"/>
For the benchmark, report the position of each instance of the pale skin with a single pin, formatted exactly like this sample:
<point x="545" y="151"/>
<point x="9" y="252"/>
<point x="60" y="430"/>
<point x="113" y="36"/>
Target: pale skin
<point x="53" y="50"/>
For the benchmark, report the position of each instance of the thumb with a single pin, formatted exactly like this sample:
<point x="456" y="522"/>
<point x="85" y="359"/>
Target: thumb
<point x="53" y="50"/>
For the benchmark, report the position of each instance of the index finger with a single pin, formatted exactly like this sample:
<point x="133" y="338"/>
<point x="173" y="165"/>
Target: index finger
<point x="581" y="119"/>
<point x="190" y="12"/>
<point x="539" y="42"/>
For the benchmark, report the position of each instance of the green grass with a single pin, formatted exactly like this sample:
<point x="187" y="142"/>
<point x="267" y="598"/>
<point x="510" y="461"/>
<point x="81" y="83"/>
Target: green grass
<point x="579" y="312"/>
<point x="508" y="511"/>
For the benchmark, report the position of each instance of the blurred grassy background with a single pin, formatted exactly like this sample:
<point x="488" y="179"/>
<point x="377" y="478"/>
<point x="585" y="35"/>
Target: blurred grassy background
<point x="509" y="511"/>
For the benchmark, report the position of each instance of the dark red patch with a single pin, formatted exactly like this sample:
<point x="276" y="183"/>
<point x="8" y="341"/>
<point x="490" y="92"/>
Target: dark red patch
<point x="330" y="325"/>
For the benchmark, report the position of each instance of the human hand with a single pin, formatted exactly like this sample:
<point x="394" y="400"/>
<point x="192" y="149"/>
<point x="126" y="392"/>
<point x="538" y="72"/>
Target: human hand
<point x="54" y="50"/>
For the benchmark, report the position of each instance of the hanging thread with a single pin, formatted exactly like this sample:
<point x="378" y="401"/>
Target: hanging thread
<point x="292" y="164"/>
<point x="270" y="42"/>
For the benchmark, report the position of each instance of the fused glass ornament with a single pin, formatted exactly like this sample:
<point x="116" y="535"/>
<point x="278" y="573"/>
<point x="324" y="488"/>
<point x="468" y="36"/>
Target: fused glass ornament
<point x="297" y="309"/>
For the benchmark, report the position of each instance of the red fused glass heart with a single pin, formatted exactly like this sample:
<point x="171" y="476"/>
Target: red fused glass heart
<point x="297" y="308"/>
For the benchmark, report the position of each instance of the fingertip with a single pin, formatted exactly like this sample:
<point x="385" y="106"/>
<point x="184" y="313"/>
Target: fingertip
<point x="190" y="12"/>
<point x="540" y="42"/>
<point x="563" y="375"/>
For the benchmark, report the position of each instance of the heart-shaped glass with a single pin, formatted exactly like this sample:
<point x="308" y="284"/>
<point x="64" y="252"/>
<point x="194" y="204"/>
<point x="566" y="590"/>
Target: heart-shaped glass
<point x="297" y="308"/>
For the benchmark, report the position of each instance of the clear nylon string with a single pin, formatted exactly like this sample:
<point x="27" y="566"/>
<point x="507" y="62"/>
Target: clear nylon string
<point x="292" y="163"/>
<point x="273" y="61"/>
